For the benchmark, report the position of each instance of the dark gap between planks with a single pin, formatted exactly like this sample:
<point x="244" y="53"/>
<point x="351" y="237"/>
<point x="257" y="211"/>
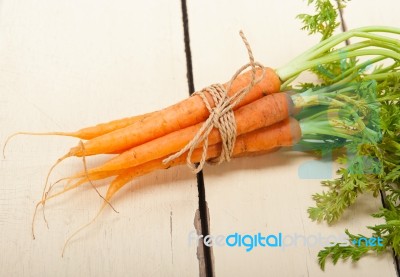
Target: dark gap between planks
<point x="200" y="180"/>
<point x="396" y="259"/>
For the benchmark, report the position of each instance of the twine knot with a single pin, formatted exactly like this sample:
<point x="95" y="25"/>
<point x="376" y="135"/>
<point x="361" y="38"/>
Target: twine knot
<point x="221" y="116"/>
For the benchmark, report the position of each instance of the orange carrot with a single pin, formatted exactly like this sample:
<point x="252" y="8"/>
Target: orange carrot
<point x="260" y="113"/>
<point x="105" y="128"/>
<point x="92" y="131"/>
<point x="260" y="141"/>
<point x="181" y="115"/>
<point x="284" y="133"/>
<point x="88" y="132"/>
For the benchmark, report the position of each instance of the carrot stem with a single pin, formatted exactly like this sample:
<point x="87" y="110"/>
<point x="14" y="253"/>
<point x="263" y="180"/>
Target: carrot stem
<point x="316" y="54"/>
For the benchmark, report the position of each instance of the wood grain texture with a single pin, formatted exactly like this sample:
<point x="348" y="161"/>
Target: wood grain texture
<point x="266" y="194"/>
<point x="69" y="64"/>
<point x="363" y="13"/>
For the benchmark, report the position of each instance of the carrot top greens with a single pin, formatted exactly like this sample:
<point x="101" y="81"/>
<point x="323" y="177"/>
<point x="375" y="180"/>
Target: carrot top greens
<point x="359" y="111"/>
<point x="369" y="166"/>
<point x="324" y="21"/>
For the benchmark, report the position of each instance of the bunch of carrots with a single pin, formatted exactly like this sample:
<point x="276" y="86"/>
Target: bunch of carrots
<point x="271" y="115"/>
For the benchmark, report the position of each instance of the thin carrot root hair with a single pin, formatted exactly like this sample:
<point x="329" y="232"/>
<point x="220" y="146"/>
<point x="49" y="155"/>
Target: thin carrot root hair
<point x="105" y="203"/>
<point x="67" y="188"/>
<point x="34" y="218"/>
<point x="82" y="180"/>
<point x="88" y="178"/>
<point x="70" y="179"/>
<point x="82" y="175"/>
<point x="46" y="190"/>
<point x="49" y="197"/>
<point x="112" y="189"/>
<point x="44" y="193"/>
<point x="66" y="134"/>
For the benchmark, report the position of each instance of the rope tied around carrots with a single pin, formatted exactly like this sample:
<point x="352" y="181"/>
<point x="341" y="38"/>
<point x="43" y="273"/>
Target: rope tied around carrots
<point x="221" y="116"/>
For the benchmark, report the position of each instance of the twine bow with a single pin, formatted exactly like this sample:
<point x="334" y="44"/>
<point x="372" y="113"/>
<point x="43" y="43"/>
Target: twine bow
<point x="221" y="116"/>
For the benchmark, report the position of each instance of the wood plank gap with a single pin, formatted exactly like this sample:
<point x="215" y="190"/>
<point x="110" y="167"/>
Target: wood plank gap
<point x="343" y="25"/>
<point x="396" y="259"/>
<point x="204" y="216"/>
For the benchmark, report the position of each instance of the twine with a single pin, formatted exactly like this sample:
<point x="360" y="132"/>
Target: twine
<point x="221" y="116"/>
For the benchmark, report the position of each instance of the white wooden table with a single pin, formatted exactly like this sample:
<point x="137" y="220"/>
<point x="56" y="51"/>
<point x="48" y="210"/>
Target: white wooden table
<point x="68" y="64"/>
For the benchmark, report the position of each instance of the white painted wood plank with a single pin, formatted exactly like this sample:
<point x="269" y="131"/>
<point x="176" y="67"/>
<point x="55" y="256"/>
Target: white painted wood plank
<point x="369" y="12"/>
<point x="69" y="64"/>
<point x="264" y="194"/>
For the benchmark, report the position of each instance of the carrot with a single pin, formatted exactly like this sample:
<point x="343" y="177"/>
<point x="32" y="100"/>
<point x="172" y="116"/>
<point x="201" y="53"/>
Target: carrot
<point x="181" y="115"/>
<point x="94" y="176"/>
<point x="261" y="141"/>
<point x="267" y="139"/>
<point x="284" y="133"/>
<point x="102" y="128"/>
<point x="260" y="113"/>
<point x="178" y="116"/>
<point x="88" y="132"/>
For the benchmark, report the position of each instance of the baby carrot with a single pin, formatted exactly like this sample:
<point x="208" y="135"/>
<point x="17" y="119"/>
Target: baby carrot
<point x="264" y="140"/>
<point x="284" y="133"/>
<point x="88" y="132"/>
<point x="260" y="113"/>
<point x="181" y="115"/>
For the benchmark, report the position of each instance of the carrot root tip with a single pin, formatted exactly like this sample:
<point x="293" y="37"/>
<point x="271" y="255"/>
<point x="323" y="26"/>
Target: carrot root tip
<point x="34" y="134"/>
<point x="82" y="228"/>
